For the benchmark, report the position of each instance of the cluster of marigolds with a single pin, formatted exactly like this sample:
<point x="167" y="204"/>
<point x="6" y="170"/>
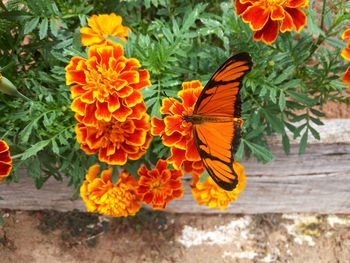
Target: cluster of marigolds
<point x="113" y="121"/>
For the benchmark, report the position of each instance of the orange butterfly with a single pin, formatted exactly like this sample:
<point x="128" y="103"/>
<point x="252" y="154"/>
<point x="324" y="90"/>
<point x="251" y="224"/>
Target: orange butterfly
<point x="216" y="120"/>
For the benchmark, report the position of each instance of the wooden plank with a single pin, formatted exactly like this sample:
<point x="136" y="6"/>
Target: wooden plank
<point x="318" y="181"/>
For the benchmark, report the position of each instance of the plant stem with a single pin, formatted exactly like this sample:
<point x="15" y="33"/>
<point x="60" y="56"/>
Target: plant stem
<point x="323" y="12"/>
<point x="2" y="5"/>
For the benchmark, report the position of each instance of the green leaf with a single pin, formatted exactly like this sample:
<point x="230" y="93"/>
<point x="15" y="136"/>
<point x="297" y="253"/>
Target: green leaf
<point x="317" y="112"/>
<point x="276" y="123"/>
<point x="315" y="133"/>
<point x="43" y="28"/>
<point x="316" y="121"/>
<point x="54" y="27"/>
<point x="303" y="142"/>
<point x="282" y="101"/>
<point x="31" y="25"/>
<point x="115" y="174"/>
<point x="203" y="177"/>
<point x="35" y="149"/>
<point x="301" y="97"/>
<point x="55" y="148"/>
<point x="260" y="152"/>
<point x="286" y="143"/>
<point x="239" y="153"/>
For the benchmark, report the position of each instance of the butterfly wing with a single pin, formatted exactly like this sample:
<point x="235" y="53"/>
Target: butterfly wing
<point x="217" y="142"/>
<point x="220" y="97"/>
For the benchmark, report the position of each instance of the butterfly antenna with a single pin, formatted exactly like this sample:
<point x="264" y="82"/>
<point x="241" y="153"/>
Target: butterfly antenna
<point x="171" y="99"/>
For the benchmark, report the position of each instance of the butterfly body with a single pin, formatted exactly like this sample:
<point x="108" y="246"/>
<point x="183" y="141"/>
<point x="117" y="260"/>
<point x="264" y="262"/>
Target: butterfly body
<point x="199" y="119"/>
<point x="216" y="120"/>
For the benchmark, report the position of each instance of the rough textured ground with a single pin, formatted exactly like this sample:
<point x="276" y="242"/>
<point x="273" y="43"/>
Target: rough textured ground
<point x="48" y="236"/>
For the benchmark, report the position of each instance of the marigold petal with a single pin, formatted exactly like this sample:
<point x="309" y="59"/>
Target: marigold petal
<point x="138" y="138"/>
<point x="171" y="140"/>
<point x="166" y="104"/>
<point x="346" y="34"/>
<point x="346" y="53"/>
<point x="118" y="158"/>
<point x="256" y="16"/>
<point x="287" y="23"/>
<point x="106" y="175"/>
<point x="102" y="112"/>
<point x="172" y="124"/>
<point x="130" y="76"/>
<point x="161" y="166"/>
<point x="78" y="106"/>
<point x="133" y="99"/>
<point x="138" y="111"/>
<point x="113" y="103"/>
<point x="277" y="13"/>
<point x="75" y="71"/>
<point x="3" y="146"/>
<point x="297" y="3"/>
<point x="346" y="77"/>
<point x="93" y="172"/>
<point x="89" y="37"/>
<point x="144" y="80"/>
<point x="5" y="169"/>
<point x="122" y="113"/>
<point x="124" y="90"/>
<point x="269" y="33"/>
<point x="240" y="8"/>
<point x="77" y="90"/>
<point x="299" y="18"/>
<point x="157" y="126"/>
<point x="191" y="151"/>
<point x="130" y="149"/>
<point x="5" y="157"/>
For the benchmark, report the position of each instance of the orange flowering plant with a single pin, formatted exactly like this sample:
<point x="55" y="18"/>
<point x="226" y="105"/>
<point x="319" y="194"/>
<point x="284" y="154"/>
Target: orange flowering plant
<point x="106" y="86"/>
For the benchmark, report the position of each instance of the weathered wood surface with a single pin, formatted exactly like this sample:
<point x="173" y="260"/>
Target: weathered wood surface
<point x="318" y="181"/>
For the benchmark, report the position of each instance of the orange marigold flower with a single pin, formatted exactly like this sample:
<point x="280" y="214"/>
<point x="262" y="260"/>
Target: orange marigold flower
<point x="114" y="141"/>
<point x="106" y="85"/>
<point x="346" y="55"/>
<point x="210" y="194"/>
<point x="177" y="133"/>
<point x="268" y="17"/>
<point x="101" y="27"/>
<point x="160" y="185"/>
<point x="101" y="195"/>
<point x="5" y="160"/>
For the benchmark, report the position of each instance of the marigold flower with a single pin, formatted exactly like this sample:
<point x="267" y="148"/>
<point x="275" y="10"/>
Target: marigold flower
<point x="101" y="27"/>
<point x="210" y="194"/>
<point x="5" y="160"/>
<point x="114" y="141"/>
<point x="177" y="133"/>
<point x="106" y="85"/>
<point x="160" y="185"/>
<point x="346" y="55"/>
<point x="103" y="196"/>
<point x="268" y="17"/>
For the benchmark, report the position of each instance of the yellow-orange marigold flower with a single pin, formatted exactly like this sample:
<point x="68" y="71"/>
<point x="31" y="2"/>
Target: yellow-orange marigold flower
<point x="101" y="195"/>
<point x="268" y="17"/>
<point x="114" y="141"/>
<point x="100" y="27"/>
<point x="210" y="194"/>
<point x="177" y="133"/>
<point x="106" y="85"/>
<point x="346" y="55"/>
<point x="5" y="160"/>
<point x="160" y="185"/>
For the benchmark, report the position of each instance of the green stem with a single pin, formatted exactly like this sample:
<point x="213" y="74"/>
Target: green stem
<point x="2" y="5"/>
<point x="323" y="12"/>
